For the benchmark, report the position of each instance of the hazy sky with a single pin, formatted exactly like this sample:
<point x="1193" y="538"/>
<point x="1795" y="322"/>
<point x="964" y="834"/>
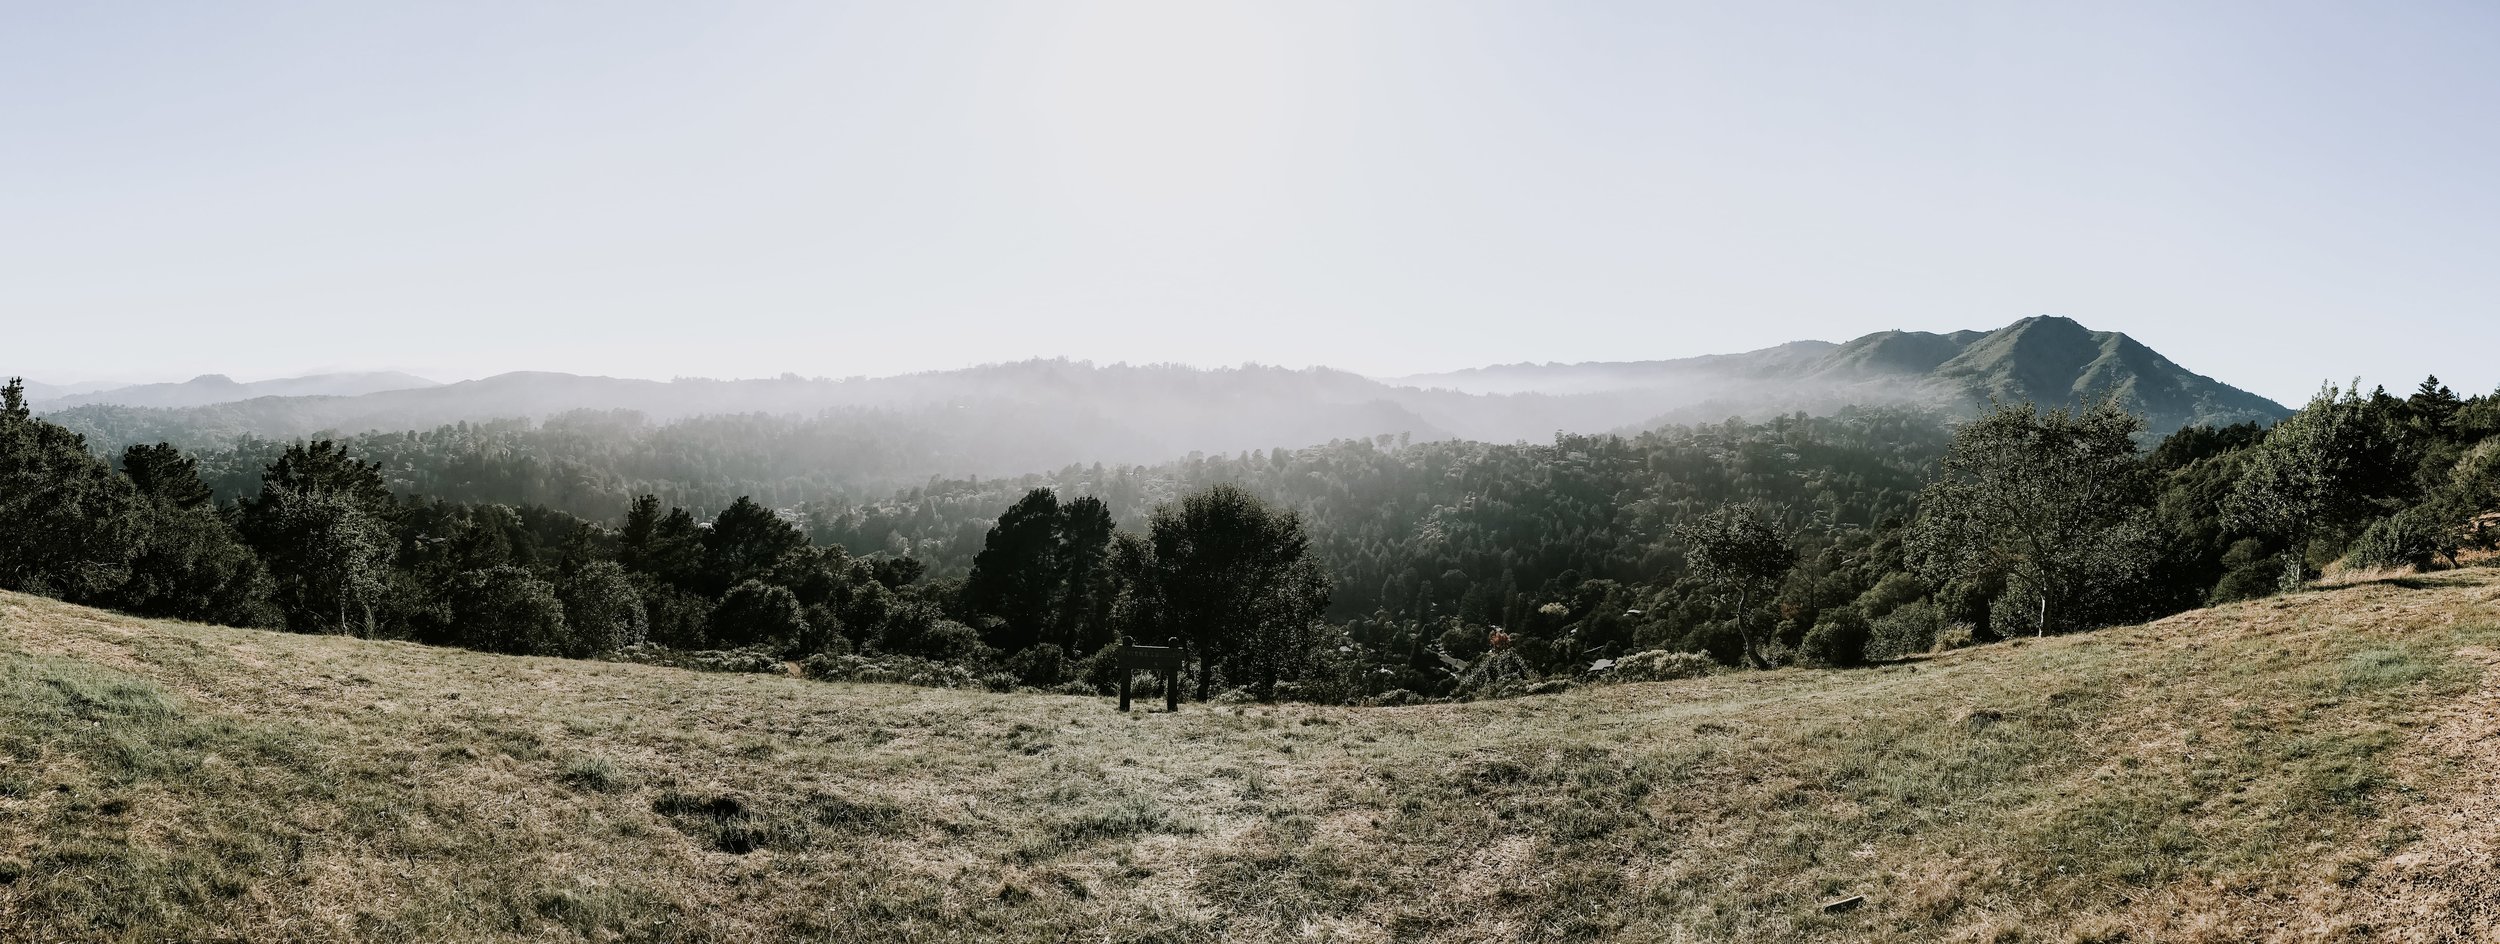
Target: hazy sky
<point x="2273" y="193"/>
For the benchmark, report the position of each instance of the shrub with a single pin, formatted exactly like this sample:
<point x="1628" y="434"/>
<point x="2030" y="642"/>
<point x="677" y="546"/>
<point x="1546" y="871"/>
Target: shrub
<point x="1466" y="642"/>
<point x="943" y="640"/>
<point x="1837" y="639"/>
<point x="2414" y="538"/>
<point x="1956" y="636"/>
<point x="1497" y="675"/>
<point x="892" y="670"/>
<point x="1040" y="666"/>
<point x="758" y="614"/>
<point x="1893" y="592"/>
<point x="508" y="610"/>
<point x="1910" y="629"/>
<point x="2250" y="570"/>
<point x="702" y="660"/>
<point x="1659" y="665"/>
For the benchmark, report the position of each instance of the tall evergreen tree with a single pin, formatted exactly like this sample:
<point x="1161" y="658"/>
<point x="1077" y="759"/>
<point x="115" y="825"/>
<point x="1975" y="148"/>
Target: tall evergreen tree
<point x="166" y="475"/>
<point x="1019" y="575"/>
<point x="322" y="523"/>
<point x="2434" y="405"/>
<point x="1085" y="535"/>
<point x="747" y="541"/>
<point x="67" y="523"/>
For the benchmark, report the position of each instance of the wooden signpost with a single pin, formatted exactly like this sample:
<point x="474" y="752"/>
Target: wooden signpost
<point x="1164" y="661"/>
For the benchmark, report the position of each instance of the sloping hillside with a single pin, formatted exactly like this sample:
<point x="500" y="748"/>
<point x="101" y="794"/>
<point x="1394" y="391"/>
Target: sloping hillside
<point x="2310" y="768"/>
<point x="2057" y="361"/>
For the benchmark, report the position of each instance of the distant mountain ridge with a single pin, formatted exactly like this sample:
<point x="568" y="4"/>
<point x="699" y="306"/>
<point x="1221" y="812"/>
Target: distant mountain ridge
<point x="1034" y="415"/>
<point x="2044" y="359"/>
<point x="210" y="389"/>
<point x="40" y="392"/>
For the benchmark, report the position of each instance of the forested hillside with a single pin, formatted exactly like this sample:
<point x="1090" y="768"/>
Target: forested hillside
<point x="1480" y="531"/>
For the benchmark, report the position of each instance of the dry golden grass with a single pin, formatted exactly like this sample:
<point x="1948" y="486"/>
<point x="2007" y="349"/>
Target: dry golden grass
<point x="2316" y="767"/>
<point x="2340" y="574"/>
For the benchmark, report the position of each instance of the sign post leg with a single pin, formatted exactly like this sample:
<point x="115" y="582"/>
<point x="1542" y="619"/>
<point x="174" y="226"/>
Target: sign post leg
<point x="1171" y="690"/>
<point x="1125" y="676"/>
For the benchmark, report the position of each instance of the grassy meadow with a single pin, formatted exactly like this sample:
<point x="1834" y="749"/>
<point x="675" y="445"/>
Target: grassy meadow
<point x="2312" y="767"/>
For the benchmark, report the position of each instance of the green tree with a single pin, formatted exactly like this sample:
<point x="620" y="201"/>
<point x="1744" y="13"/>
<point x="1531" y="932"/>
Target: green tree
<point x="2325" y="468"/>
<point x="2473" y="485"/>
<point x="330" y="560"/>
<point x="321" y="522"/>
<point x="666" y="547"/>
<point x="1741" y="555"/>
<point x="602" y="608"/>
<point x="2058" y="503"/>
<point x="1085" y="536"/>
<point x="2434" y="405"/>
<point x="190" y="564"/>
<point x="747" y="542"/>
<point x="164" y="474"/>
<point x="324" y="467"/>
<point x="1236" y="578"/>
<point x="67" y="523"/>
<point x="1018" y="576"/>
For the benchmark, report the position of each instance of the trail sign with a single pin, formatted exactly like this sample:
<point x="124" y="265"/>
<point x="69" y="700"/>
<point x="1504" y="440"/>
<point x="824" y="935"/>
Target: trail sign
<point x="1164" y="661"/>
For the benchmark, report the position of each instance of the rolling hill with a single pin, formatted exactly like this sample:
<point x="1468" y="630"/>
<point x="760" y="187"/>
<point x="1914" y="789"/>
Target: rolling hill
<point x="2311" y="767"/>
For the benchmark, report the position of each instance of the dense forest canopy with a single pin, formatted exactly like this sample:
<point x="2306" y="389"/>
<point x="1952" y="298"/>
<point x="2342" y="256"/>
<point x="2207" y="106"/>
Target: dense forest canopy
<point x="1341" y="571"/>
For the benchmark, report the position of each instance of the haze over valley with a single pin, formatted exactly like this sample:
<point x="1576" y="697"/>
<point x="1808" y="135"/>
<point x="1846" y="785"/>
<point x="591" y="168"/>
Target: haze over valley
<point x="1034" y="416"/>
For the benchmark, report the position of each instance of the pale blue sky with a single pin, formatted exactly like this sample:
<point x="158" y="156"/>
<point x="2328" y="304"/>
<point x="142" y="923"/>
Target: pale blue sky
<point x="2273" y="193"/>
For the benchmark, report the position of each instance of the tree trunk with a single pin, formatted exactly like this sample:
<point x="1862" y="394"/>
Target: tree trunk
<point x="1744" y="633"/>
<point x="2296" y="563"/>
